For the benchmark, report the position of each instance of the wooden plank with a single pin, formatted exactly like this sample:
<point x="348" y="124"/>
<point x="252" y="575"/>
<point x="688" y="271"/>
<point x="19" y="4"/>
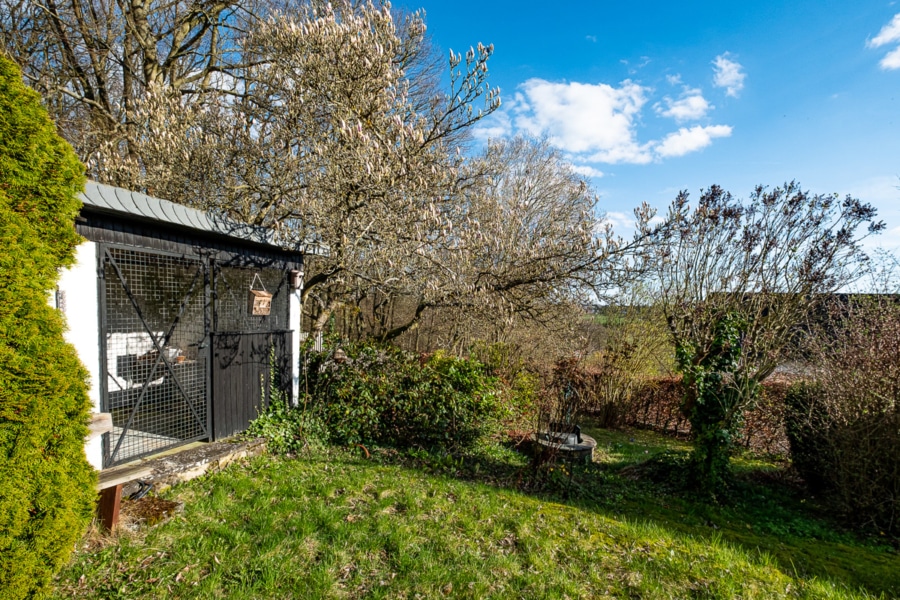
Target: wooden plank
<point x="218" y="391"/>
<point x="246" y="381"/>
<point x="108" y="507"/>
<point x="100" y="423"/>
<point x="119" y="475"/>
<point x="227" y="374"/>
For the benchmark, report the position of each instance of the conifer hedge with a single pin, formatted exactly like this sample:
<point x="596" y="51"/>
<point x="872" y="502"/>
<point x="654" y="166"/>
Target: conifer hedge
<point x="46" y="484"/>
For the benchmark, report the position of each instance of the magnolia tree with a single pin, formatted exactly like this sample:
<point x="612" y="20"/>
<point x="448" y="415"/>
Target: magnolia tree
<point x="341" y="139"/>
<point x="94" y="60"/>
<point x="735" y="279"/>
<point x="338" y="138"/>
<point x="327" y="123"/>
<point x="525" y="237"/>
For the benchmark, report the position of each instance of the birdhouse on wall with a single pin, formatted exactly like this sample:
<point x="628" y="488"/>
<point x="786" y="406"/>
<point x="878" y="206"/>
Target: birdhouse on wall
<point x="260" y="301"/>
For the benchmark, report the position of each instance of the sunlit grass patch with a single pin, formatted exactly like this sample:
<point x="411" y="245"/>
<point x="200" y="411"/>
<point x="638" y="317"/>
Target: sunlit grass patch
<point x="336" y="525"/>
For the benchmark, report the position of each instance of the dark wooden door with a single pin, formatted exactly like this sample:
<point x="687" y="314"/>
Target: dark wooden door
<point x="247" y="368"/>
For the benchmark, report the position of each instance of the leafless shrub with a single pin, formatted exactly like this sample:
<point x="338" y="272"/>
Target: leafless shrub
<point x="844" y="422"/>
<point x="658" y="405"/>
<point x="632" y="347"/>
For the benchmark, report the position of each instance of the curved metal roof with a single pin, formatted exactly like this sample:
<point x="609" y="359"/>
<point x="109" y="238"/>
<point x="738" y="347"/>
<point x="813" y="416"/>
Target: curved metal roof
<point x="113" y="200"/>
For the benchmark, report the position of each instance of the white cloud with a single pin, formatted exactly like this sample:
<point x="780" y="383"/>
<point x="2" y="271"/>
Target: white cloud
<point x="689" y="107"/>
<point x="583" y="118"/>
<point x="684" y="141"/>
<point x="587" y="171"/>
<point x="674" y="79"/>
<point x="494" y="126"/>
<point x="889" y="34"/>
<point x="729" y="74"/>
<point x="622" y="223"/>
<point x="633" y="69"/>
<point x="597" y="124"/>
<point x="591" y="38"/>
<point x="618" y="220"/>
<point x="882" y="191"/>
<point x="891" y="60"/>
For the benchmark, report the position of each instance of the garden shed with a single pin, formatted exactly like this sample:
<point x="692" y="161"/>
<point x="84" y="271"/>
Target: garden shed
<point x="187" y="322"/>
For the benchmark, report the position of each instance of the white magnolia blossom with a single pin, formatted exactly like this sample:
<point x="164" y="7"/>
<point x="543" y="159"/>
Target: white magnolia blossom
<point x="326" y="123"/>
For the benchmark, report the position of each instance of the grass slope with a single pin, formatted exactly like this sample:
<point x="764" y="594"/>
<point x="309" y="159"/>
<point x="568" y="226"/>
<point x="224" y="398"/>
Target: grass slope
<point x="336" y="525"/>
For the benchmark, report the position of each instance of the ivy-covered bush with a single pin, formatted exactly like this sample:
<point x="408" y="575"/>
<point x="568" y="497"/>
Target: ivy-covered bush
<point x="378" y="394"/>
<point x="716" y="392"/>
<point x="46" y="484"/>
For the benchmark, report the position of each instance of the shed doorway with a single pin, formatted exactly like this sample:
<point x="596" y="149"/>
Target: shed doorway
<point x="153" y="323"/>
<point x="251" y="354"/>
<point x="184" y="359"/>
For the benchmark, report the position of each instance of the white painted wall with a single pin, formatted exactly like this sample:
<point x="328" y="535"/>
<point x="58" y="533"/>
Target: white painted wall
<point x="76" y="298"/>
<point x="295" y="312"/>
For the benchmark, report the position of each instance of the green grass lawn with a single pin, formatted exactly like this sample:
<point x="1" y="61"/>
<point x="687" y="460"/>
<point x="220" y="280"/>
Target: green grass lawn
<point x="335" y="524"/>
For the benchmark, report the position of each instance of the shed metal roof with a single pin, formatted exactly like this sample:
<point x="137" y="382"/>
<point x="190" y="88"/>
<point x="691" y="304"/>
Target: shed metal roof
<point x="113" y="200"/>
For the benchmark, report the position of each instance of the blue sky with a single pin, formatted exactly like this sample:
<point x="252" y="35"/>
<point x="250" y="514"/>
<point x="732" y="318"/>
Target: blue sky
<point x="648" y="98"/>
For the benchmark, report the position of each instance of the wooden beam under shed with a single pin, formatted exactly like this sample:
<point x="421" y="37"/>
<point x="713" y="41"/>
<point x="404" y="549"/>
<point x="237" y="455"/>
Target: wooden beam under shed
<point x="109" y="484"/>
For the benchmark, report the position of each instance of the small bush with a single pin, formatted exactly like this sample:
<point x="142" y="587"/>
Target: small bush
<point x="844" y="424"/>
<point x="288" y="430"/>
<point x="46" y="484"/>
<point x="809" y="432"/>
<point x="519" y="382"/>
<point x="377" y="394"/>
<point x="633" y="347"/>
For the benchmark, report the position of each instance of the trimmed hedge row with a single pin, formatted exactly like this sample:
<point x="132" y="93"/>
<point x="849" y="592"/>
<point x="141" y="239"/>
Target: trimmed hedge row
<point x="46" y="484"/>
<point x="656" y="404"/>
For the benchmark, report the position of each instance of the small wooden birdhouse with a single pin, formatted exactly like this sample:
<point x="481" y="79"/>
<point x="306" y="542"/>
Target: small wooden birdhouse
<point x="260" y="303"/>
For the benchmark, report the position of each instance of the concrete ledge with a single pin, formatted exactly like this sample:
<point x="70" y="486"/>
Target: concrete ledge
<point x="199" y="460"/>
<point x="165" y="470"/>
<point x="181" y="464"/>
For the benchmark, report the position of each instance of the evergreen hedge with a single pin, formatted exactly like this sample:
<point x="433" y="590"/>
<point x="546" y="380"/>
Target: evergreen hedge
<point x="46" y="484"/>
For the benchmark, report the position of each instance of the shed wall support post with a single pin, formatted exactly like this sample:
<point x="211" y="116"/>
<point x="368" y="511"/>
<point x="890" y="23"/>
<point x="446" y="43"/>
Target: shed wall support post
<point x="295" y="309"/>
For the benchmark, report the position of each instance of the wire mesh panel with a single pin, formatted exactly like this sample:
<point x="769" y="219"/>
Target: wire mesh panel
<point x="155" y="352"/>
<point x="232" y="288"/>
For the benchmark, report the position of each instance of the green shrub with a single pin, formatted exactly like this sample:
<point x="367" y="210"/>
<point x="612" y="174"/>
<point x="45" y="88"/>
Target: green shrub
<point x="844" y="424"/>
<point x="519" y="383"/>
<point x="808" y="429"/>
<point x="46" y="484"/>
<point x="383" y="395"/>
<point x="286" y="429"/>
